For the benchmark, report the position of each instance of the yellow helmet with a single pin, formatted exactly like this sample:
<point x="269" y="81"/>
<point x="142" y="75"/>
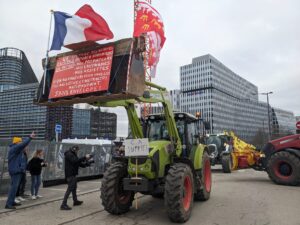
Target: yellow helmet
<point x="16" y="140"/>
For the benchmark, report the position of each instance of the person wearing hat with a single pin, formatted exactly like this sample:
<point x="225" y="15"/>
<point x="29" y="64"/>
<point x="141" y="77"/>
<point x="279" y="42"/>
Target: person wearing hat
<point x="16" y="167"/>
<point x="72" y="164"/>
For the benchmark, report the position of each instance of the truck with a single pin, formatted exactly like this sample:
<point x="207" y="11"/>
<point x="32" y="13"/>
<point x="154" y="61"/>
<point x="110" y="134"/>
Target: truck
<point x="175" y="165"/>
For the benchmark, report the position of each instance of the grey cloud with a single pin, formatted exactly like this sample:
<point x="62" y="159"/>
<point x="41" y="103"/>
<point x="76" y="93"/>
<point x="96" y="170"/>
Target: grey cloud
<point x="257" y="39"/>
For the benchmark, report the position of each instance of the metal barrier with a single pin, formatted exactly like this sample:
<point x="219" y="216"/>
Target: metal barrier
<point x="54" y="155"/>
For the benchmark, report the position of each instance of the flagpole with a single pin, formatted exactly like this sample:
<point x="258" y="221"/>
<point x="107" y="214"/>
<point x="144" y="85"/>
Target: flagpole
<point x="47" y="53"/>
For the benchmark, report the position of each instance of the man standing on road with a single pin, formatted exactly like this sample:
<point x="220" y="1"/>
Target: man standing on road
<point x="72" y="164"/>
<point x="16" y="167"/>
<point x="20" y="196"/>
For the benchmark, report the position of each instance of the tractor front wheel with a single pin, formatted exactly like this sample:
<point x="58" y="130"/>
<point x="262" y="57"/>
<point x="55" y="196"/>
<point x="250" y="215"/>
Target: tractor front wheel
<point x="284" y="168"/>
<point x="114" y="198"/>
<point x="179" y="192"/>
<point x="227" y="163"/>
<point x="203" y="193"/>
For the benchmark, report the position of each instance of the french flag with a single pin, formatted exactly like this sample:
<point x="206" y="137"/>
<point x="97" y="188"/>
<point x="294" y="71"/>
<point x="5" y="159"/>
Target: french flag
<point x="85" y="25"/>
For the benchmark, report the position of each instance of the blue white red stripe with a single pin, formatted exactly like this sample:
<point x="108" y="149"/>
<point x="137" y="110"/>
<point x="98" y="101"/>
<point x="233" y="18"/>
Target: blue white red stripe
<point x="85" y="25"/>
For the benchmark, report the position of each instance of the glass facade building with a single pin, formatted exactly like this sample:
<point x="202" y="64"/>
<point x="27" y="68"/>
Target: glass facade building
<point x="14" y="69"/>
<point x="283" y="122"/>
<point x="225" y="99"/>
<point x="92" y="123"/>
<point x="81" y="127"/>
<point x="19" y="116"/>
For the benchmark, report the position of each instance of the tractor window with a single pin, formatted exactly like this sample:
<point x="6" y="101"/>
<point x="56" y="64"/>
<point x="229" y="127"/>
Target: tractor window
<point x="214" y="140"/>
<point x="191" y="132"/>
<point x="157" y="130"/>
<point x="180" y="128"/>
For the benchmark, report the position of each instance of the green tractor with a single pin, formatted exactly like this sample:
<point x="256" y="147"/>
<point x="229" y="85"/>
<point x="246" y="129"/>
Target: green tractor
<point x="176" y="167"/>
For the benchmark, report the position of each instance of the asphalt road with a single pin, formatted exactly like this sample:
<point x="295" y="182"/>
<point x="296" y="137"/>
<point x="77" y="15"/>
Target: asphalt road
<point x="242" y="198"/>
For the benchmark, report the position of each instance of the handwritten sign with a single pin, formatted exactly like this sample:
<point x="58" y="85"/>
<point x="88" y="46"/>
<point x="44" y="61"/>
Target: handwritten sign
<point x="137" y="147"/>
<point x="82" y="73"/>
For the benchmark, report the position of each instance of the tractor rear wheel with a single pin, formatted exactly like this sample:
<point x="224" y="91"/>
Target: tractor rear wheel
<point x="227" y="163"/>
<point x="203" y="194"/>
<point x="284" y="168"/>
<point x="114" y="198"/>
<point x="179" y="192"/>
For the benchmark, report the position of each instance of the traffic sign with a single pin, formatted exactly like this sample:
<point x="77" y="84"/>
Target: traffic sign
<point x="58" y="128"/>
<point x="298" y="125"/>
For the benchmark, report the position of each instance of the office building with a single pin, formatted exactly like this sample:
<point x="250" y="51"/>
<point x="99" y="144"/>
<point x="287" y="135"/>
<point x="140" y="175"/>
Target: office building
<point x="283" y="122"/>
<point x="225" y="99"/>
<point x="174" y="98"/>
<point x="14" y="69"/>
<point x="19" y="116"/>
<point x="92" y="123"/>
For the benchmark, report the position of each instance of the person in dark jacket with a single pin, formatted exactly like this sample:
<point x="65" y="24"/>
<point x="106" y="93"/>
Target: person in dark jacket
<point x="35" y="168"/>
<point x="20" y="195"/>
<point x="16" y="166"/>
<point x="72" y="164"/>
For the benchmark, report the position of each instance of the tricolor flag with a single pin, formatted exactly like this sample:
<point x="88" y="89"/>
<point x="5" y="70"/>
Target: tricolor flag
<point x="85" y="25"/>
<point x="148" y="21"/>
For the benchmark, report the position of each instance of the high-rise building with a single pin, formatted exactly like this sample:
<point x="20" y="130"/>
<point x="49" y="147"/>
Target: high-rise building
<point x="14" y="69"/>
<point x="92" y="123"/>
<point x="226" y="100"/>
<point x="62" y="115"/>
<point x="174" y="97"/>
<point x="283" y="122"/>
<point x="19" y="116"/>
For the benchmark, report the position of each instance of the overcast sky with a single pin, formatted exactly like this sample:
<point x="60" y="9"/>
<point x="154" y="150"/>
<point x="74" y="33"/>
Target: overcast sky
<point x="257" y="39"/>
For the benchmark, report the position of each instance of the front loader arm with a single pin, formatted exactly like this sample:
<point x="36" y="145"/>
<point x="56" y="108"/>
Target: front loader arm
<point x="154" y="96"/>
<point x="133" y="118"/>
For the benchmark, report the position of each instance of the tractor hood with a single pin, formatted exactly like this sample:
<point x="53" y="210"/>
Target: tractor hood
<point x="288" y="141"/>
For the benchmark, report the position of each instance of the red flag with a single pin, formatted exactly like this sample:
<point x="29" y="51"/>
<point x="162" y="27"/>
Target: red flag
<point x="149" y="21"/>
<point x="99" y="29"/>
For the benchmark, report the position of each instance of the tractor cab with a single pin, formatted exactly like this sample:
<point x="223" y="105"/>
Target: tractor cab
<point x="187" y="126"/>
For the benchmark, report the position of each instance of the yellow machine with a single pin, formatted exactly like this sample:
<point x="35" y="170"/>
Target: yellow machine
<point x="243" y="154"/>
<point x="231" y="152"/>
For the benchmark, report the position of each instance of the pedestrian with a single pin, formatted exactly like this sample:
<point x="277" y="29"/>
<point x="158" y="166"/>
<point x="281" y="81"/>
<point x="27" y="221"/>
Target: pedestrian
<point x="72" y="164"/>
<point x="16" y="166"/>
<point x="20" y="196"/>
<point x="35" y="168"/>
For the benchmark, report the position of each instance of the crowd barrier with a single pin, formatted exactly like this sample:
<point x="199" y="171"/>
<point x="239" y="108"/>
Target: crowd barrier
<point x="54" y="156"/>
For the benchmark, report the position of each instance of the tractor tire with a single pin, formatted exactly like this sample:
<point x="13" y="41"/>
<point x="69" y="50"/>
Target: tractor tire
<point x="114" y="199"/>
<point x="179" y="192"/>
<point x="204" y="193"/>
<point x="284" y="168"/>
<point x="227" y="163"/>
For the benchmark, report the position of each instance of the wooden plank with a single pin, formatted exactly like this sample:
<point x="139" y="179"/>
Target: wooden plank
<point x="121" y="47"/>
<point x="89" y="99"/>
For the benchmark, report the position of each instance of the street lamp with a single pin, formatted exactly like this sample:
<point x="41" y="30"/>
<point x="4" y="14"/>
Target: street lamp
<point x="269" y="125"/>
